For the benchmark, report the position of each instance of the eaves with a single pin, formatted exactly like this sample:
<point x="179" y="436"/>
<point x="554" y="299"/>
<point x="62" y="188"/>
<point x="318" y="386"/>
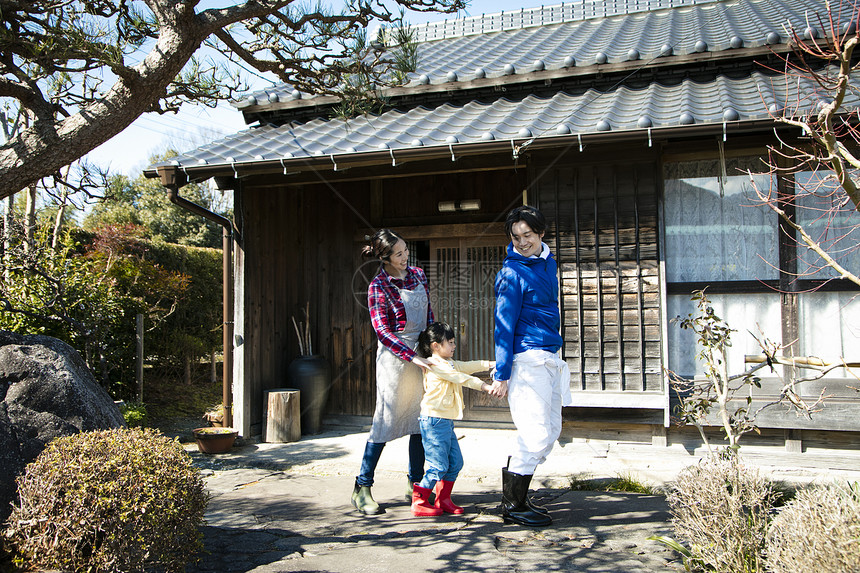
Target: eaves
<point x="316" y="169"/>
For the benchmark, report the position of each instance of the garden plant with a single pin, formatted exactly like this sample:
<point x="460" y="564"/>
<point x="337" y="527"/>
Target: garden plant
<point x="124" y="500"/>
<point x="726" y="516"/>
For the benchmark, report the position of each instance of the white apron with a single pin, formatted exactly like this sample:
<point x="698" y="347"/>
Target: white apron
<point x="400" y="384"/>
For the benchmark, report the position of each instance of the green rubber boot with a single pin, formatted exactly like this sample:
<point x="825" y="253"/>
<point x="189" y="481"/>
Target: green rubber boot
<point x="362" y="500"/>
<point x="409" y="489"/>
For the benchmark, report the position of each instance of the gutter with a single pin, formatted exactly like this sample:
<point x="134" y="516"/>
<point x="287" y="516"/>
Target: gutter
<point x="171" y="183"/>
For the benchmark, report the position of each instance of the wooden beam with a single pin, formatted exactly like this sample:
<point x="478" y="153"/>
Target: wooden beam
<point x="659" y="435"/>
<point x="426" y="232"/>
<point x="375" y="172"/>
<point x="375" y="203"/>
<point x="793" y="441"/>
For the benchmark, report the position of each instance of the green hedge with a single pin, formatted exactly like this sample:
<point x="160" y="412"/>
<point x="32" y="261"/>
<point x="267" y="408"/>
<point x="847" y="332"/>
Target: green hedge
<point x="89" y="290"/>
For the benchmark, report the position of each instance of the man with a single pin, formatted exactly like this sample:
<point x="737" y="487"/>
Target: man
<point x="528" y="367"/>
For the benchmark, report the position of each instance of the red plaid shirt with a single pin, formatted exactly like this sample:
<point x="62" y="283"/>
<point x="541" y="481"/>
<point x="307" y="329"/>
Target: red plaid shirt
<point x="387" y="311"/>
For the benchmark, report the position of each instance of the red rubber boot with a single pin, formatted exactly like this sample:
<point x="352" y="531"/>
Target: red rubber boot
<point x="421" y="506"/>
<point x="443" y="498"/>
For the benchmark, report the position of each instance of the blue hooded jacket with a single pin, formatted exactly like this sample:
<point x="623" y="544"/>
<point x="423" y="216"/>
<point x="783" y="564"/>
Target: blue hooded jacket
<point x="527" y="315"/>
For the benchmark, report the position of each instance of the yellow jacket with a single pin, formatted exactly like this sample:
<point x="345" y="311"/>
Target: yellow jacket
<point x="443" y="387"/>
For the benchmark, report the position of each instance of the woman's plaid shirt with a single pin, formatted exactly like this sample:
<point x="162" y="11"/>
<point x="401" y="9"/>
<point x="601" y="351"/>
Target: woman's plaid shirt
<point x="387" y="312"/>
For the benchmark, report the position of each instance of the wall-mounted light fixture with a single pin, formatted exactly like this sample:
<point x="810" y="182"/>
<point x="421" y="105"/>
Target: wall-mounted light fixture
<point x="466" y="205"/>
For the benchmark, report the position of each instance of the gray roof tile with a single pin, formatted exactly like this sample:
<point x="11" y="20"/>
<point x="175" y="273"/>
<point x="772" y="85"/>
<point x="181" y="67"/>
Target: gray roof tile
<point x="686" y="29"/>
<point x="635" y="103"/>
<point x="621" y="109"/>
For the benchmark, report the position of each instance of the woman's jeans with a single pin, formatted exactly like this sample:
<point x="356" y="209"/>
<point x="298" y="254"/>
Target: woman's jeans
<point x="441" y="450"/>
<point x="373" y="450"/>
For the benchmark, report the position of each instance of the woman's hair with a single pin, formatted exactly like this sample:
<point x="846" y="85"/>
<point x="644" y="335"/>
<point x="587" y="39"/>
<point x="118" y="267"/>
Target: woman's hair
<point x="532" y="217"/>
<point x="381" y="244"/>
<point x="436" y="332"/>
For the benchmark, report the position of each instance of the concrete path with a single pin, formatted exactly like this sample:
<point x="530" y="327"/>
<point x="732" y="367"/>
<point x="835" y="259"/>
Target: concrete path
<point x="285" y="507"/>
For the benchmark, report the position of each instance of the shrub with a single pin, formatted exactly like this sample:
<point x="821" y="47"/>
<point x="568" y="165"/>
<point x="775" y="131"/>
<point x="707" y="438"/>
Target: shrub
<point x="134" y="414"/>
<point x="720" y="509"/>
<point x="88" y="289"/>
<point x="113" y="500"/>
<point x="818" y="531"/>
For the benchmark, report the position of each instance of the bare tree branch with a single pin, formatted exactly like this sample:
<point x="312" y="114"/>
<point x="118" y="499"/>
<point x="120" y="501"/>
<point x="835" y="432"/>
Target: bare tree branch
<point x="73" y="51"/>
<point x="821" y="172"/>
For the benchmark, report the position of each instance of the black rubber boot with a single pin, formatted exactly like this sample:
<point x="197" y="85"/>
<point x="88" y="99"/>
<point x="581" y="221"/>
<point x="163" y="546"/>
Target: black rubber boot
<point x="532" y="506"/>
<point x="538" y="508"/>
<point x="515" y="509"/>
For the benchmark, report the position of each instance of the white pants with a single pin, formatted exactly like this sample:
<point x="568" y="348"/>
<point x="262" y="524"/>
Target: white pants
<point x="538" y="388"/>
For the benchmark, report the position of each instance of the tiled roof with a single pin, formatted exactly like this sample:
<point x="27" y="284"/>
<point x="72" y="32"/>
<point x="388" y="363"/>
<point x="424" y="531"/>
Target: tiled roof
<point x="634" y="100"/>
<point x="672" y="28"/>
<point x="723" y="100"/>
<point x="542" y="16"/>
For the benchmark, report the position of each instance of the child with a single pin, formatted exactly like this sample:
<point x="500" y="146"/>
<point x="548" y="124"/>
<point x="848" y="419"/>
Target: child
<point x="441" y="405"/>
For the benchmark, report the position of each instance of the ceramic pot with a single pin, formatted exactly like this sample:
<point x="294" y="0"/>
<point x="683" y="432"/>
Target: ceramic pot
<point x="312" y="376"/>
<point x="215" y="440"/>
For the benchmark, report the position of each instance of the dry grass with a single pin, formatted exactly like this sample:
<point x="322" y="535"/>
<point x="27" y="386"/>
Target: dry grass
<point x="817" y="531"/>
<point x="720" y="511"/>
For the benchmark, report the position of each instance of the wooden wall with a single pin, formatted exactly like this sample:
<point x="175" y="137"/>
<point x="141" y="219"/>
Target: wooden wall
<point x="299" y="250"/>
<point x="301" y="244"/>
<point x="603" y="226"/>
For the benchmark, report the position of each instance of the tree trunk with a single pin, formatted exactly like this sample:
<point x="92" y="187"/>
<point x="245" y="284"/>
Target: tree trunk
<point x="30" y="219"/>
<point x="213" y="375"/>
<point x="58" y="222"/>
<point x="8" y="219"/>
<point x="105" y="372"/>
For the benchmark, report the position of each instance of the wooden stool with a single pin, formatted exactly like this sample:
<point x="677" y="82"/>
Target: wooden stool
<point x="282" y="422"/>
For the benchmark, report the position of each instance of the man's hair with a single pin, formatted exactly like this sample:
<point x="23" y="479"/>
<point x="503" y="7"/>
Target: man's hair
<point x="532" y="217"/>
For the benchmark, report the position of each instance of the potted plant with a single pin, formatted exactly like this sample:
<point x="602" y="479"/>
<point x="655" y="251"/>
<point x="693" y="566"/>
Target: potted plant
<point x="215" y="440"/>
<point x="310" y="374"/>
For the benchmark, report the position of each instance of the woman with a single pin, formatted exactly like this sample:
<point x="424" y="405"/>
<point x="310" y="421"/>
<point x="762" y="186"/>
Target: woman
<point x="528" y="367"/>
<point x="399" y="301"/>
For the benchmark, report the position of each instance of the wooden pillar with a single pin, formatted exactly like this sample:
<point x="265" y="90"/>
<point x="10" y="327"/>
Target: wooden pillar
<point x="794" y="441"/>
<point x="659" y="435"/>
<point x="282" y="420"/>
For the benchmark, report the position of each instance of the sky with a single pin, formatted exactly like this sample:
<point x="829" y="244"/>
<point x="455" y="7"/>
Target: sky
<point x="196" y="125"/>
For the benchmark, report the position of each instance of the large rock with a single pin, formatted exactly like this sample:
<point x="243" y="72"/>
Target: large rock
<point x="46" y="391"/>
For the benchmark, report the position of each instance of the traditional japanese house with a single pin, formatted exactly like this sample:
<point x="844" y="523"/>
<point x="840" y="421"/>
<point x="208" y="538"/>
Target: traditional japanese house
<point x="630" y="124"/>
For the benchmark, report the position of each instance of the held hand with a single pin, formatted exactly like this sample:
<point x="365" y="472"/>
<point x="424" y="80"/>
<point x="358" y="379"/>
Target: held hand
<point x="499" y="389"/>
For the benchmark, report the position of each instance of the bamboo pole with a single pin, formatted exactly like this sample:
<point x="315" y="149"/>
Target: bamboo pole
<point x="797" y="361"/>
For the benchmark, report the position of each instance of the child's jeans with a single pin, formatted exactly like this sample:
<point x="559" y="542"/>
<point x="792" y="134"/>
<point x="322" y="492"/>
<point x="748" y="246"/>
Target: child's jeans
<point x="441" y="450"/>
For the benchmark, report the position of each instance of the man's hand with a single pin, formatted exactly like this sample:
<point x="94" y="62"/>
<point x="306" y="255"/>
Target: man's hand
<point x="499" y="389"/>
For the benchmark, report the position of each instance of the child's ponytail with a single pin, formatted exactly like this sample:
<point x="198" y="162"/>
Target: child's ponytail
<point x="437" y="332"/>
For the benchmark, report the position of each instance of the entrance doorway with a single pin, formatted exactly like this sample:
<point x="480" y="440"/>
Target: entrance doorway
<point x="462" y="271"/>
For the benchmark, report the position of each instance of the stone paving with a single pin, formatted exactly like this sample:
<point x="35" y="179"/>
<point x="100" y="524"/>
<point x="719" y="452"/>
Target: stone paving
<point x="266" y="521"/>
<point x="285" y="507"/>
